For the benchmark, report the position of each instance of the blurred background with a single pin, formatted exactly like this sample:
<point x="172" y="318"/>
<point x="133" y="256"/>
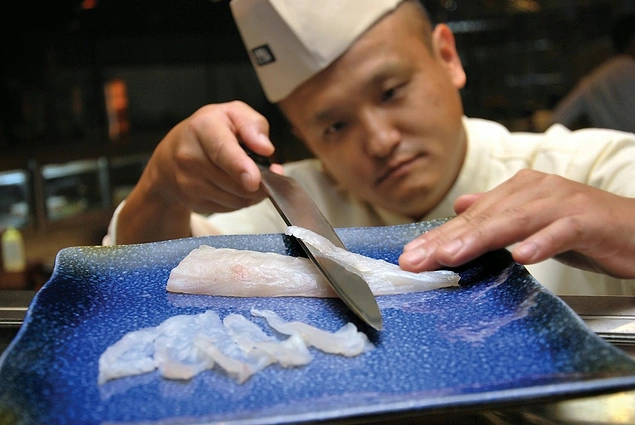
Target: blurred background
<point x="89" y="87"/>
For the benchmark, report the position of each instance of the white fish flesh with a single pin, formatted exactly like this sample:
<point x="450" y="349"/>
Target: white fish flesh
<point x="174" y="354"/>
<point x="245" y="273"/>
<point x="239" y="366"/>
<point x="168" y="347"/>
<point x="185" y="345"/>
<point x="383" y="277"/>
<point x="249" y="336"/>
<point x="131" y="355"/>
<point x="347" y="341"/>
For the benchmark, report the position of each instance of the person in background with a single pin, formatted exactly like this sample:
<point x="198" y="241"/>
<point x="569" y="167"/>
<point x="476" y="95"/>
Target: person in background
<point x="606" y="97"/>
<point x="372" y="89"/>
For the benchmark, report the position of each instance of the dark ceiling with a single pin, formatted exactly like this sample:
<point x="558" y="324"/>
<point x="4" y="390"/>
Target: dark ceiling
<point x="105" y="17"/>
<point x="28" y="29"/>
<point x="203" y="30"/>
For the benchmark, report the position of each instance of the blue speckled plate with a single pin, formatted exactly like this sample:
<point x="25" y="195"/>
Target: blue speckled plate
<point x="499" y="339"/>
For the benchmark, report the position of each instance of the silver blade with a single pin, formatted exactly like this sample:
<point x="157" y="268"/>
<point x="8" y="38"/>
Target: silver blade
<point x="297" y="209"/>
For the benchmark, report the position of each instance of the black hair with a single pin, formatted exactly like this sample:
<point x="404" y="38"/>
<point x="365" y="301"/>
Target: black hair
<point x="623" y="32"/>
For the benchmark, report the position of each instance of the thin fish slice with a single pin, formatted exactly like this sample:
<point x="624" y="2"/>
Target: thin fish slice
<point x="131" y="355"/>
<point x="235" y="363"/>
<point x="347" y="341"/>
<point x="184" y="345"/>
<point x="251" y="338"/>
<point x="175" y="354"/>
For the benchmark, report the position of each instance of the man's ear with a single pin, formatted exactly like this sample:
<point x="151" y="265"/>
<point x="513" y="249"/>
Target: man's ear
<point x="444" y="47"/>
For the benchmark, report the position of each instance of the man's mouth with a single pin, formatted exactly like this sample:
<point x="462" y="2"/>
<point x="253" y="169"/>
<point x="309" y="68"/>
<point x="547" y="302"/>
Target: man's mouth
<point x="397" y="168"/>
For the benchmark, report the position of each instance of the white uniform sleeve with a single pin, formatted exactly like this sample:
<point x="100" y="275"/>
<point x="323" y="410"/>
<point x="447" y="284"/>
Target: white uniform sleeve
<point x="111" y="237"/>
<point x="259" y="218"/>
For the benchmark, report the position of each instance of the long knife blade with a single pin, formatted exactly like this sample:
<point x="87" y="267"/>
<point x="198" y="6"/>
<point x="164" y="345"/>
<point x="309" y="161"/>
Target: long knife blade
<point x="298" y="209"/>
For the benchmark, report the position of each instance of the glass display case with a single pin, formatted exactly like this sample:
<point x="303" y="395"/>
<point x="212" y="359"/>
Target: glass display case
<point x="15" y="199"/>
<point x="75" y="187"/>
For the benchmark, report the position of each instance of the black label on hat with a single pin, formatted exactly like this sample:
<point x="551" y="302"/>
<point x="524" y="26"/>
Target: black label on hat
<point x="263" y="55"/>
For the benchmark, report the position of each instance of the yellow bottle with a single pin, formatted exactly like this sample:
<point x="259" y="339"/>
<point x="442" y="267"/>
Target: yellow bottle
<point x="13" y="255"/>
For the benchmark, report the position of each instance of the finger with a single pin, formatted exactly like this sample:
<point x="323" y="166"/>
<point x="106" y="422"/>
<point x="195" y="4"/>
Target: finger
<point x="251" y="128"/>
<point x="224" y="190"/>
<point x="498" y="227"/>
<point x="499" y="230"/>
<point x="205" y="197"/>
<point x="463" y="202"/>
<point x="418" y="260"/>
<point x="570" y="244"/>
<point x="565" y="234"/>
<point x="467" y="236"/>
<point x="277" y="168"/>
<point x="510" y="201"/>
<point x="195" y="173"/>
<point x="420" y="254"/>
<point x="218" y="135"/>
<point x="472" y="209"/>
<point x="459" y="225"/>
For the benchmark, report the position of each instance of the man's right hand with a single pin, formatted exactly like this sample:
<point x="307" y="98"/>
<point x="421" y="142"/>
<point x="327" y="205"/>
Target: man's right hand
<point x="199" y="166"/>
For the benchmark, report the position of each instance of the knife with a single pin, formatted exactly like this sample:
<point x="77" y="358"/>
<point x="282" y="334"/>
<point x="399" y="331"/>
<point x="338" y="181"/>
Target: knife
<point x="298" y="209"/>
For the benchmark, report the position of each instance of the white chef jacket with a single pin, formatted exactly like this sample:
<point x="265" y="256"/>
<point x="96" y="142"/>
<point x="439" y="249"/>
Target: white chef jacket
<point x="600" y="158"/>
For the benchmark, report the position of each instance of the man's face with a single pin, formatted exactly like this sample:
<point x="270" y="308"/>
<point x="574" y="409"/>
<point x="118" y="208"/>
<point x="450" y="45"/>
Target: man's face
<point x="385" y="118"/>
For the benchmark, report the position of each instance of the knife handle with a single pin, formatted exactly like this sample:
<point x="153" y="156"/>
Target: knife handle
<point x="260" y="160"/>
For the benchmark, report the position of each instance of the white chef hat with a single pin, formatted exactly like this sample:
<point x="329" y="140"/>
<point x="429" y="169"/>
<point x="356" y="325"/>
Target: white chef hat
<point x="289" y="41"/>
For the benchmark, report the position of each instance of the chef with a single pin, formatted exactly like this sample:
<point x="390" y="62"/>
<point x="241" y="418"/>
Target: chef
<point x="372" y="89"/>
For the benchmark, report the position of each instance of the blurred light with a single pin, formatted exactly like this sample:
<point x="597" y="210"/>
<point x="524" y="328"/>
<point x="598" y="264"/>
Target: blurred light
<point x="116" y="96"/>
<point x="89" y="4"/>
<point x="476" y="26"/>
<point x="526" y="6"/>
<point x="450" y="5"/>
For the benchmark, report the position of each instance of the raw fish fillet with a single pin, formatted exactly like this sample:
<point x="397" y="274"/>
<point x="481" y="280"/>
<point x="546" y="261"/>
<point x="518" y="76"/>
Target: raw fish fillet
<point x="245" y="273"/>
<point x="384" y="278"/>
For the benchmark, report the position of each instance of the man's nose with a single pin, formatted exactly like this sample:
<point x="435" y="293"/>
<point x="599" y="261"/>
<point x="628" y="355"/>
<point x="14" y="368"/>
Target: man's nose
<point x="381" y="134"/>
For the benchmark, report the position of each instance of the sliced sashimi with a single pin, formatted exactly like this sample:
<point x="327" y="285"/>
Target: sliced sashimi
<point x="250" y="337"/>
<point x="183" y="346"/>
<point x="175" y="355"/>
<point x="131" y="355"/>
<point x="347" y="341"/>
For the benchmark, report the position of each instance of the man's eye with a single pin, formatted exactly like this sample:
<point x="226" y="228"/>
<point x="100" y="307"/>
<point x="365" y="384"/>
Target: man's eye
<point x="393" y="92"/>
<point x="388" y="94"/>
<point x="335" y="127"/>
